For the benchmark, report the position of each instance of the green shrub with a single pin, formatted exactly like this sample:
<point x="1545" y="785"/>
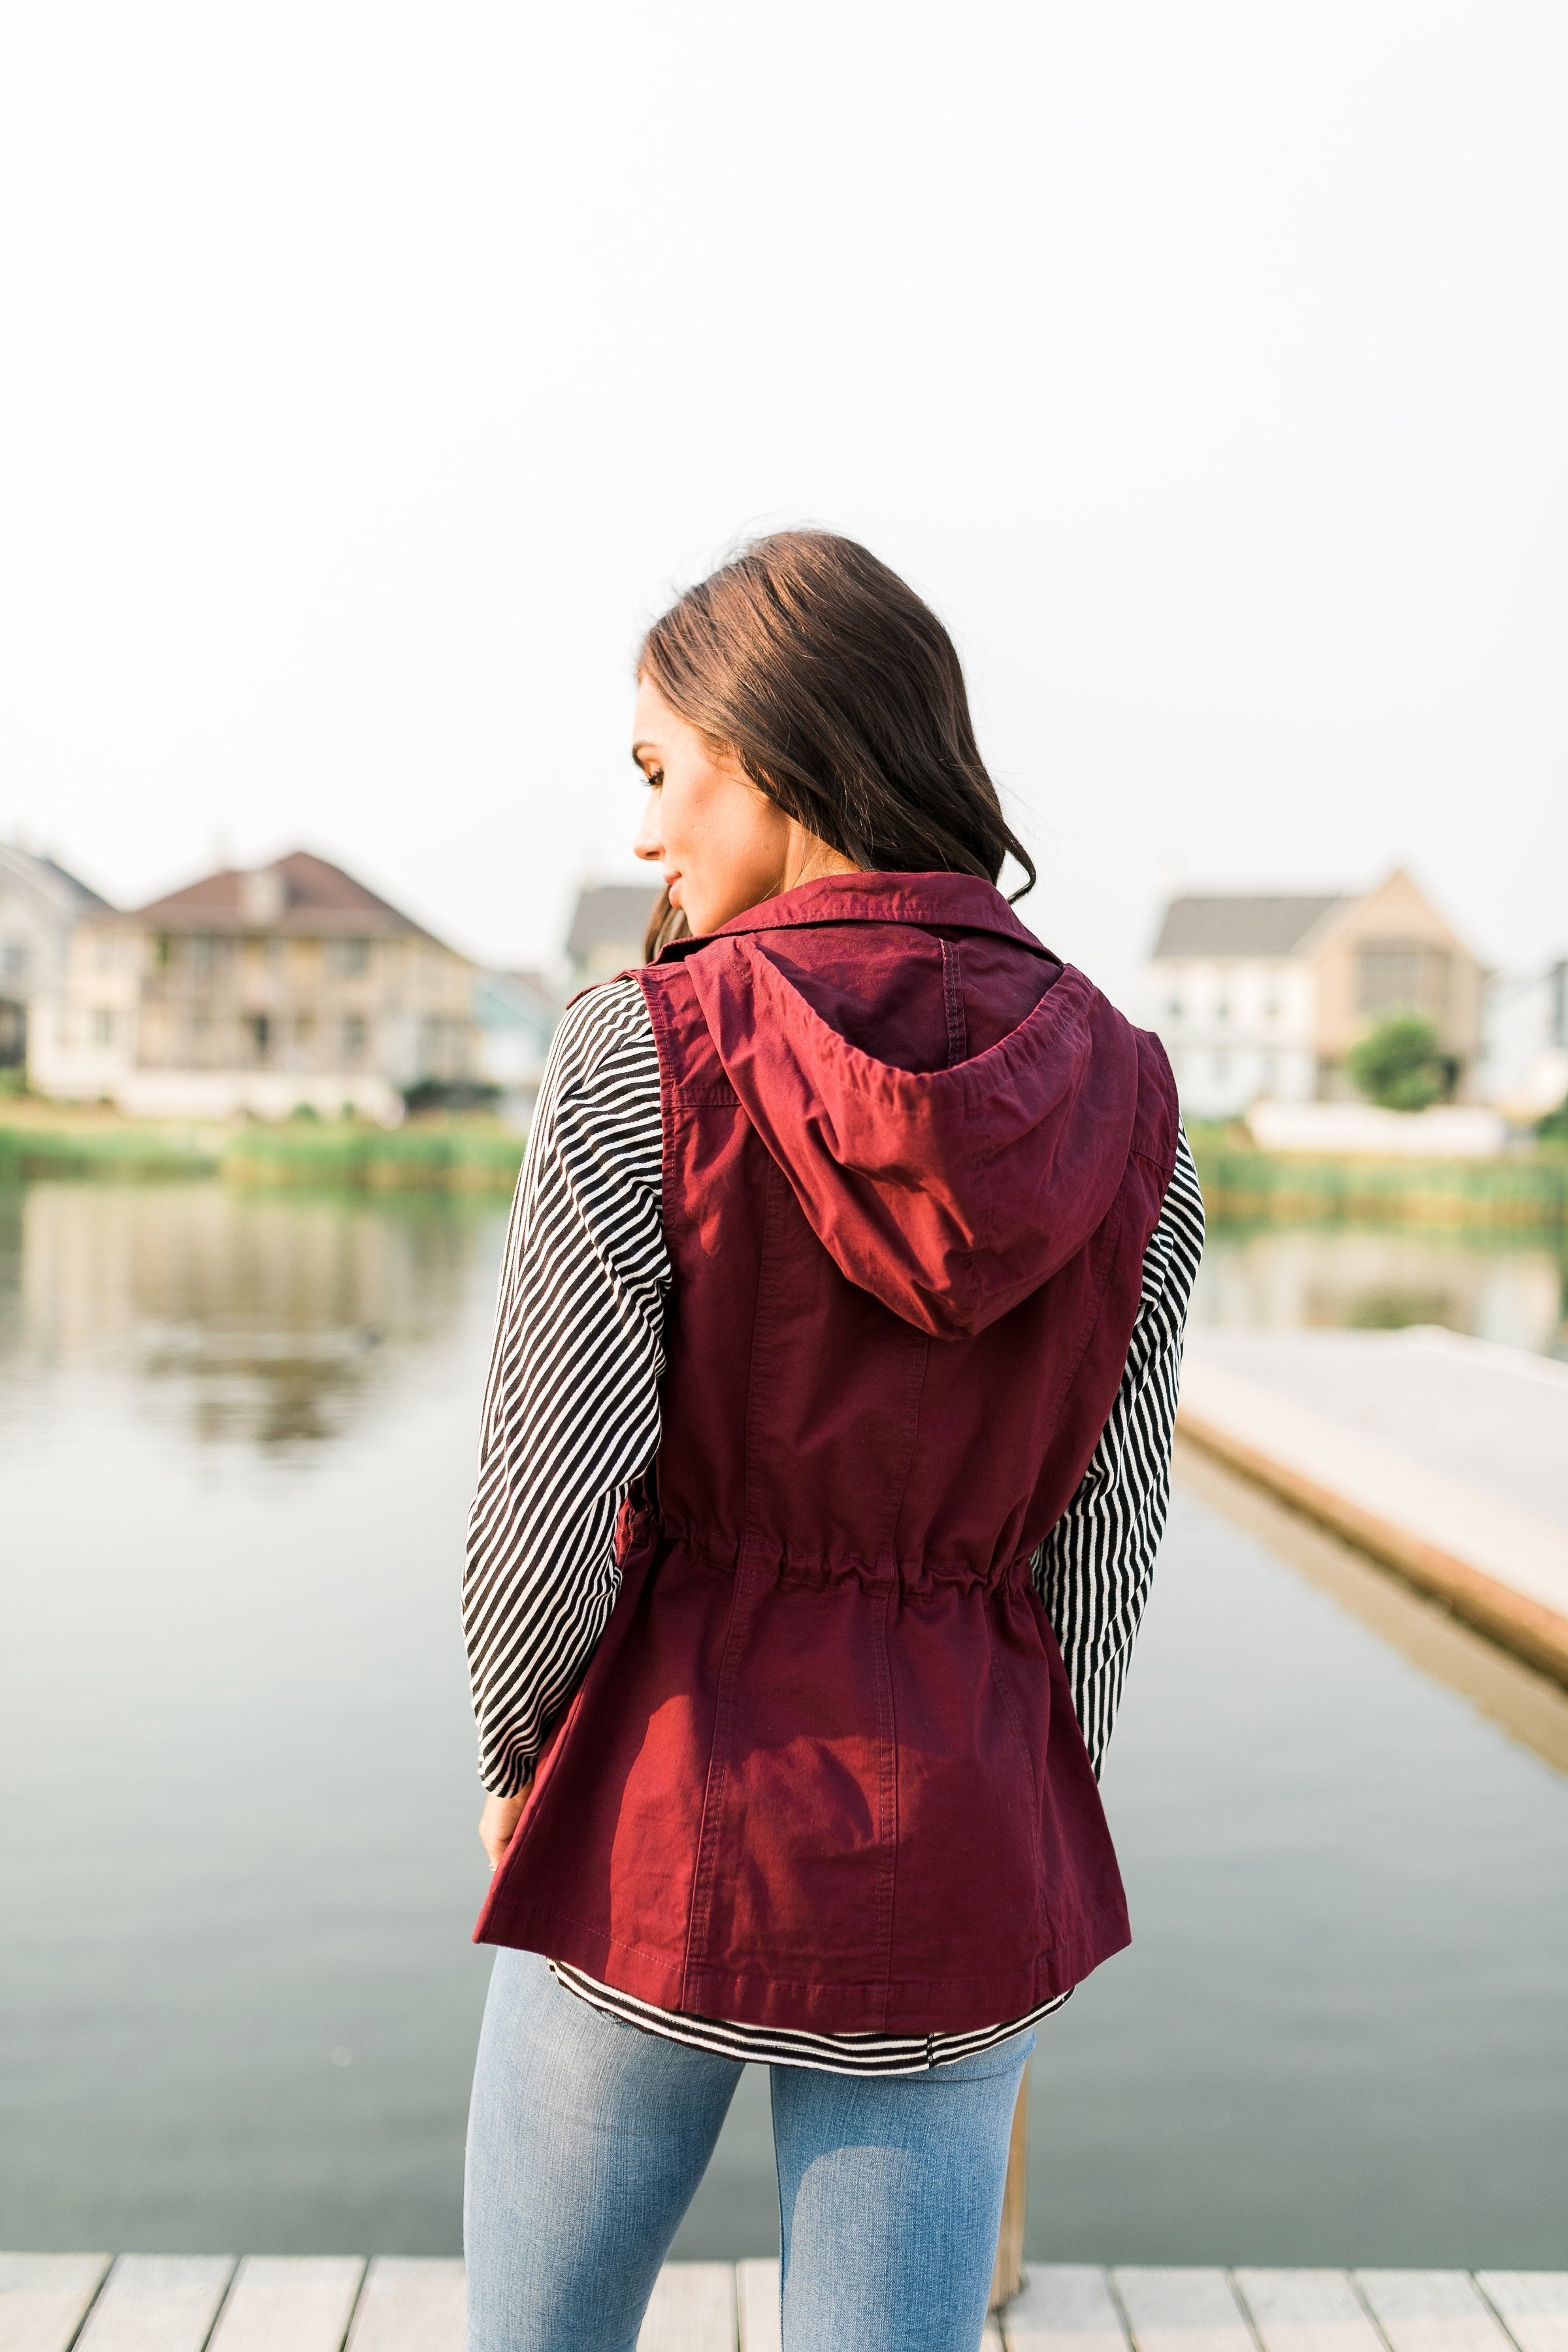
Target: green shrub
<point x="1400" y="1063"/>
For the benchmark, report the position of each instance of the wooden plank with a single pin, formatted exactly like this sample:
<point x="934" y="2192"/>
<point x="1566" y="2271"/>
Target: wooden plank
<point x="692" y="2309"/>
<point x="1182" y="2311"/>
<point x="43" y="2298"/>
<point x="1307" y="2311"/>
<point x="1531" y="2305"/>
<point x="157" y="2303"/>
<point x="411" y="2307"/>
<point x="1431" y="2311"/>
<point x="1064" y="2307"/>
<point x="757" y="2294"/>
<point x="286" y="2303"/>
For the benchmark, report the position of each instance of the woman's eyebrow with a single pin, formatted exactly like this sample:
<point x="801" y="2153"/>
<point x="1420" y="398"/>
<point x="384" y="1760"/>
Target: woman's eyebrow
<point x="639" y="748"/>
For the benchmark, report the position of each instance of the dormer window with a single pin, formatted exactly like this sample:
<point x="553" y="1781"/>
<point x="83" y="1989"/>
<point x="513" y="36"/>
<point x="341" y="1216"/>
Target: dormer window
<point x="263" y="895"/>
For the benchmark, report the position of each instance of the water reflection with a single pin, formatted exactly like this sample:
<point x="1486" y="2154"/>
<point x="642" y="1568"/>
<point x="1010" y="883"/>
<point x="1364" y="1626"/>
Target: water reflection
<point x="260" y="1318"/>
<point x="1342" y="1277"/>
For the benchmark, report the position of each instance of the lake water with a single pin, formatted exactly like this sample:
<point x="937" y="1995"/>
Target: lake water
<point x="237" y="2000"/>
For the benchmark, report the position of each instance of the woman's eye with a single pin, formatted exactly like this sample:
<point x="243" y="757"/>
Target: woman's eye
<point x="653" y="777"/>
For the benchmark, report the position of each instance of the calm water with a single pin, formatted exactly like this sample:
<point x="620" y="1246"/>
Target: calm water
<point x="237" y="2000"/>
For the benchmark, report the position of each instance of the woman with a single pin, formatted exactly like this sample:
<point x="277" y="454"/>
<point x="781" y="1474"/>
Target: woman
<point x="823" y="1463"/>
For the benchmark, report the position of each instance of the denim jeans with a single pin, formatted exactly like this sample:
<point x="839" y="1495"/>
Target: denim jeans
<point x="588" y="2139"/>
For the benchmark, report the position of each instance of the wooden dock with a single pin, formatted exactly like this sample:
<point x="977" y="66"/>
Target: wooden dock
<point x="210" y="2303"/>
<point x="1446" y="1458"/>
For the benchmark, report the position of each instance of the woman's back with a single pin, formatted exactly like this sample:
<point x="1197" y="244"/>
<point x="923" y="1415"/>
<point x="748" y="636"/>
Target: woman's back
<point x="823" y="1773"/>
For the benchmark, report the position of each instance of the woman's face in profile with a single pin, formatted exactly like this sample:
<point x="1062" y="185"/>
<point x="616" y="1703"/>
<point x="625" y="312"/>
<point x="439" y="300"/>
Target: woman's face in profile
<point x="722" y="845"/>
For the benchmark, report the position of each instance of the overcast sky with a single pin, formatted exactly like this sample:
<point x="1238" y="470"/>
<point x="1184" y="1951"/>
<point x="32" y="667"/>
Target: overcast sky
<point x="372" y="373"/>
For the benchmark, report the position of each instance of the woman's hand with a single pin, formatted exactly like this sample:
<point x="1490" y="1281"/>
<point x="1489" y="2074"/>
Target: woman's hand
<point x="496" y="1822"/>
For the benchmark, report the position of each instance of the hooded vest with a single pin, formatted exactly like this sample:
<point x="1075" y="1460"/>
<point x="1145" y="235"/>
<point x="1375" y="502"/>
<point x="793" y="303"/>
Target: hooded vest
<point x="823" y="1771"/>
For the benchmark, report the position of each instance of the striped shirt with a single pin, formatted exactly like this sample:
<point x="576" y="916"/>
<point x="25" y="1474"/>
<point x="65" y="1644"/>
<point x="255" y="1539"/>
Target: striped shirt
<point x="571" y="1418"/>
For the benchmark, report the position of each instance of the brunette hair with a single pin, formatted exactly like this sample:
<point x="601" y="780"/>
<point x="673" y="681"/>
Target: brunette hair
<point x="665" y="923"/>
<point x="841" y="696"/>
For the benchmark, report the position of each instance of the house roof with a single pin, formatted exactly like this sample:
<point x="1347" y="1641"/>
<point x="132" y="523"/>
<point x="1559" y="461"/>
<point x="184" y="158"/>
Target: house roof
<point x="610" y="915"/>
<point x="1242" y="926"/>
<point x="47" y="875"/>
<point x="299" y="893"/>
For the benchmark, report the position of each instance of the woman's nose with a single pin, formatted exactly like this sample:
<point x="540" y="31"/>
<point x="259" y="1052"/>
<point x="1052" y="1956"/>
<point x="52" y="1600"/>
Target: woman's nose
<point x="648" y="842"/>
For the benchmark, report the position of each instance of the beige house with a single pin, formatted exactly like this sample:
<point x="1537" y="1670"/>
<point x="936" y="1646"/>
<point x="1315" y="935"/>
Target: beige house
<point x="1261" y="998"/>
<point x="256" y="992"/>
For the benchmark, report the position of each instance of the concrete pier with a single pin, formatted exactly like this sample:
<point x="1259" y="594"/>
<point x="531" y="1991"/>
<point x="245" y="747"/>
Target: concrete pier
<point x="1447" y="1458"/>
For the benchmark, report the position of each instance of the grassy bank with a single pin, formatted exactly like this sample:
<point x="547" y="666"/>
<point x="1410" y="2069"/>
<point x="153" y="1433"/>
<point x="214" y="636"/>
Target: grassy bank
<point x="1528" y="1191"/>
<point x="429" y="1154"/>
<point x="465" y="1153"/>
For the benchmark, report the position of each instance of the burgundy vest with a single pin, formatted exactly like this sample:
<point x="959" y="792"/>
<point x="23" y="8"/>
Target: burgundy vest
<point x="823" y="1771"/>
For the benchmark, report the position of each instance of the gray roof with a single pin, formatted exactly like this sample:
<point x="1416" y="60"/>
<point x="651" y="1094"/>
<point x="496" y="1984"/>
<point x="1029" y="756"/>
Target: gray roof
<point x="47" y="875"/>
<point x="88" y="899"/>
<point x="1237" y="926"/>
<point x="611" y="914"/>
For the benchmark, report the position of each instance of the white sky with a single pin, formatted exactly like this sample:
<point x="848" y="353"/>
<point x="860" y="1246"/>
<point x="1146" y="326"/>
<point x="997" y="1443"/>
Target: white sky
<point x="369" y="375"/>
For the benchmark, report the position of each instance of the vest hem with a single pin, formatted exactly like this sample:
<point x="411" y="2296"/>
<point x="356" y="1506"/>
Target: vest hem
<point x="929" y="2004"/>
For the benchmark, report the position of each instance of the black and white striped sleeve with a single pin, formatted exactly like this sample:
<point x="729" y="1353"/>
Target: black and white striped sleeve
<point x="1093" y="1569"/>
<point x="570" y="1410"/>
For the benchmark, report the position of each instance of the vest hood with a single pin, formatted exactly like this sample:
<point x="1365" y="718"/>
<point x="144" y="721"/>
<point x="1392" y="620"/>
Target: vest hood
<point x="949" y="1194"/>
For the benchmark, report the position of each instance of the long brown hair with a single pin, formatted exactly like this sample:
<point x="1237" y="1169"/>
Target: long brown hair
<point x="842" y="696"/>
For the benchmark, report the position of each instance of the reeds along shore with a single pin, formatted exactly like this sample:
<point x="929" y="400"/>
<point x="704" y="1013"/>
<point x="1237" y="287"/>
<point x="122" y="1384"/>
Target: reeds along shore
<point x="1527" y="1192"/>
<point x="457" y="1154"/>
<point x="1523" y="1192"/>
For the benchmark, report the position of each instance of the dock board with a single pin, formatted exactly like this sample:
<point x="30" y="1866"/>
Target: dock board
<point x="1307" y="2311"/>
<point x="157" y="2303"/>
<point x="165" y="2302"/>
<point x="1531" y="2305"/>
<point x="43" y="2298"/>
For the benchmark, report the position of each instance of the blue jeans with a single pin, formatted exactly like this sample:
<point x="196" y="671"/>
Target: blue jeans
<point x="588" y="2139"/>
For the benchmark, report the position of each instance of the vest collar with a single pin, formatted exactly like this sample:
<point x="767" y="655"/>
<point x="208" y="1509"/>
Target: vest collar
<point x="952" y="901"/>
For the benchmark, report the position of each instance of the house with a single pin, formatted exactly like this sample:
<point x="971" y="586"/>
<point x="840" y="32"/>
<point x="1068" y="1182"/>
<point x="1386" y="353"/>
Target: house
<point x="40" y="906"/>
<point x="608" y="928"/>
<point x="284" y="986"/>
<point x="1261" y="997"/>
<point x="1525" y="1055"/>
<point x="516" y="1013"/>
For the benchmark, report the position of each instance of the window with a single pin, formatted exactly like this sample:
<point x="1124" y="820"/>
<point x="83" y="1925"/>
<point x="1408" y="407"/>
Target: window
<point x="13" y="959"/>
<point x="1401" y="976"/>
<point x="349" y="959"/>
<point x="257" y="1029"/>
<point x="353" y="1038"/>
<point x="1221" y="1068"/>
<point x="104" y="1027"/>
<point x="1174" y="1008"/>
<point x="304" y="1028"/>
<point x="201" y="956"/>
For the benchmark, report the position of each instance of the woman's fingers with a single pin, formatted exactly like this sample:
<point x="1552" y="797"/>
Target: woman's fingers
<point x="496" y="1822"/>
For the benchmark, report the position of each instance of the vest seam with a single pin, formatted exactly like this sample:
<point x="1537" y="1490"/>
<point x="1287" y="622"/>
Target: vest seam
<point x="699" y="1916"/>
<point x="888" y="1825"/>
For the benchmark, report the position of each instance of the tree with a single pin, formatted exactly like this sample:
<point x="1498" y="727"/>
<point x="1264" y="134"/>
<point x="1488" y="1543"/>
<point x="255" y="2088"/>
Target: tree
<point x="1399" y="1064"/>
